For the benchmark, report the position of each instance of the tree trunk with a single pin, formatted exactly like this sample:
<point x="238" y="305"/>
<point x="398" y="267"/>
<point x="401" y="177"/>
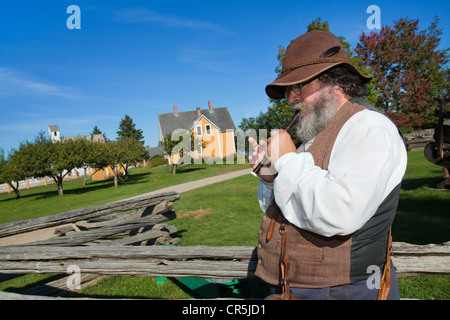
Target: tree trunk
<point x="85" y="178"/>
<point x="16" y="189"/>
<point x="115" y="179"/>
<point x="125" y="171"/>
<point x="174" y="169"/>
<point x="59" y="182"/>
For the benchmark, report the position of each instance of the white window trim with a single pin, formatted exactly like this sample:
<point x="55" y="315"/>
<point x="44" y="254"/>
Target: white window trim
<point x="198" y="149"/>
<point x="201" y="131"/>
<point x="206" y="130"/>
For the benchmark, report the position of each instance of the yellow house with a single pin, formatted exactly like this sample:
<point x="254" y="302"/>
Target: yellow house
<point x="213" y="126"/>
<point x="105" y="173"/>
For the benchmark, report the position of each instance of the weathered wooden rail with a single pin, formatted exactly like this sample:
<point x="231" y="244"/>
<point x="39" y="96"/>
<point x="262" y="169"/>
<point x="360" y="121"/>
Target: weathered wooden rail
<point x="101" y="243"/>
<point x="180" y="261"/>
<point x="90" y="213"/>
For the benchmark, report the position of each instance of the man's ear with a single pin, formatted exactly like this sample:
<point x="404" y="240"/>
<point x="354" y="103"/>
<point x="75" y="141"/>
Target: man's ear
<point x="342" y="95"/>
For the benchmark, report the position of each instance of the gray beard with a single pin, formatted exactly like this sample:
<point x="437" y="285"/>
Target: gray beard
<point x="319" y="114"/>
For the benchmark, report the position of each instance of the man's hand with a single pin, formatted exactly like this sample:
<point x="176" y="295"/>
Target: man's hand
<point x="259" y="152"/>
<point x="277" y="145"/>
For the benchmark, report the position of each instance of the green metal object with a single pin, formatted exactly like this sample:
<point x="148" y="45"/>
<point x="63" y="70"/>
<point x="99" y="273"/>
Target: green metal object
<point x="213" y="288"/>
<point x="160" y="281"/>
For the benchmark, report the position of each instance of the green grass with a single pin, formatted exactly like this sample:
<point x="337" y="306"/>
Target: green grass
<point x="44" y="200"/>
<point x="135" y="288"/>
<point x="227" y="213"/>
<point x="425" y="287"/>
<point x="423" y="215"/>
<point x="223" y="214"/>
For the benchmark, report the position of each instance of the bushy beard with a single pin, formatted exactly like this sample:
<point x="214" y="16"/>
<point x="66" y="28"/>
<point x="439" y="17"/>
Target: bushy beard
<point x="313" y="118"/>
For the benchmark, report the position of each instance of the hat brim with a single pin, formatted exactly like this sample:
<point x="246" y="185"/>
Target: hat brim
<point x="276" y="89"/>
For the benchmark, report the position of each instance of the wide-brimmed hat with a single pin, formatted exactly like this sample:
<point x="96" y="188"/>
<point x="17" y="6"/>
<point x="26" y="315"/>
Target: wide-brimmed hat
<point x="307" y="57"/>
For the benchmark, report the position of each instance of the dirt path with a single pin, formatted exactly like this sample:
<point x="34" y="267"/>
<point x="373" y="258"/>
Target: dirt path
<point x="47" y="233"/>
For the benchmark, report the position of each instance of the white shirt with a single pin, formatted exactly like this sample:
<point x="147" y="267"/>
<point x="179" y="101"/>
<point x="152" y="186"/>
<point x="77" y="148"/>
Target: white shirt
<point x="367" y="162"/>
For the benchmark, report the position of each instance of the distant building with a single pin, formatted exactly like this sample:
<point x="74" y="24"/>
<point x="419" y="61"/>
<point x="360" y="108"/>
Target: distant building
<point x="213" y="126"/>
<point x="155" y="151"/>
<point x="55" y="135"/>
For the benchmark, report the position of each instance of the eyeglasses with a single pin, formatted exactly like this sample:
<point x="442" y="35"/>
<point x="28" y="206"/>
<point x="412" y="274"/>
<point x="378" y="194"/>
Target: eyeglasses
<point x="296" y="88"/>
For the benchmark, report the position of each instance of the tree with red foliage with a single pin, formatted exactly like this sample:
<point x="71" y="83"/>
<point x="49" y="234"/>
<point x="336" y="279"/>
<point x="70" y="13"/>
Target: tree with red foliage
<point x="408" y="69"/>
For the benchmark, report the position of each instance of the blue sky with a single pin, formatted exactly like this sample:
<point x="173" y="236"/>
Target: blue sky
<point x="142" y="57"/>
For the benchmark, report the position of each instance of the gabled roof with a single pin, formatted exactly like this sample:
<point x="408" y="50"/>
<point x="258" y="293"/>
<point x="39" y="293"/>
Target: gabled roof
<point x="169" y="122"/>
<point x="53" y="128"/>
<point x="208" y="120"/>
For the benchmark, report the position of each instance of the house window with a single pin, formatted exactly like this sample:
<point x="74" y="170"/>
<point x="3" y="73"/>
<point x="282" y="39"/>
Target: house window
<point x="198" y="149"/>
<point x="208" y="129"/>
<point x="199" y="130"/>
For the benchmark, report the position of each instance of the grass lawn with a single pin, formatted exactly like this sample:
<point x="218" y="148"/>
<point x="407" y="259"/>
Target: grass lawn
<point x="227" y="213"/>
<point x="43" y="201"/>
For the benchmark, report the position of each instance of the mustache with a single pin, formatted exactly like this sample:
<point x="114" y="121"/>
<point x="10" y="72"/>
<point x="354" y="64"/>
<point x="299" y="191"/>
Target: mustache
<point x="300" y="106"/>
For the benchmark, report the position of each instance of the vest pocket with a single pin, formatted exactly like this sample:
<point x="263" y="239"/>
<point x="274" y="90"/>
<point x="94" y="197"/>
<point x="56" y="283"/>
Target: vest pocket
<point x="302" y="252"/>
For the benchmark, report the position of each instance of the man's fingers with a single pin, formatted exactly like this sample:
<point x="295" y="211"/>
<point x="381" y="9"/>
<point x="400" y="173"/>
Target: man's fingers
<point x="262" y="145"/>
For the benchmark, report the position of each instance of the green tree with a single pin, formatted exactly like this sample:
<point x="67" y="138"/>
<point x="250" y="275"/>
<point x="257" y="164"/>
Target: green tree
<point x="127" y="129"/>
<point x="86" y="156"/>
<point x="133" y="152"/>
<point x="52" y="159"/>
<point x="183" y="146"/>
<point x="10" y="173"/>
<point x="409" y="71"/>
<point x="19" y="166"/>
<point x="112" y="154"/>
<point x="64" y="156"/>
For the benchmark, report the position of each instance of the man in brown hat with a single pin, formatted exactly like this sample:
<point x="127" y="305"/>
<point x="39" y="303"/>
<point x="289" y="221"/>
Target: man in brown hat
<point x="330" y="205"/>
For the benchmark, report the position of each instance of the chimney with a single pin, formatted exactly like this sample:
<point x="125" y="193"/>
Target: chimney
<point x="198" y="112"/>
<point x="175" y="110"/>
<point x="210" y="106"/>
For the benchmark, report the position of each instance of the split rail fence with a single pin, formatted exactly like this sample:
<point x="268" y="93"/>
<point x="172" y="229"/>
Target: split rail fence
<point x="101" y="243"/>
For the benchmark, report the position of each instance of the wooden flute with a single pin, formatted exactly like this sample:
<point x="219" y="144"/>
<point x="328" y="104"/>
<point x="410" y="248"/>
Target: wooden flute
<point x="265" y="160"/>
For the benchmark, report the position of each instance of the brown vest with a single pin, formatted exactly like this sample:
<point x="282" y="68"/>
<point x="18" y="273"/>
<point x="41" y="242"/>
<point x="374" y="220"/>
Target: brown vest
<point x="317" y="261"/>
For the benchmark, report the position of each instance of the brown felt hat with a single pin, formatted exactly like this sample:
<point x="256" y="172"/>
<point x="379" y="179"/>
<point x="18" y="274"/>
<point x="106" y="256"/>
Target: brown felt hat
<point x="307" y="57"/>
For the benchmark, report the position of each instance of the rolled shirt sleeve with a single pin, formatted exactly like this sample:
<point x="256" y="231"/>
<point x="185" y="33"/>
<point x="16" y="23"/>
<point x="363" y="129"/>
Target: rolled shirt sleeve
<point x="367" y="162"/>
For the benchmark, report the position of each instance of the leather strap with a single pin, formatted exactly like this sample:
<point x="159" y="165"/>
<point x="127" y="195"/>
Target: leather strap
<point x="385" y="282"/>
<point x="271" y="227"/>
<point x="284" y="262"/>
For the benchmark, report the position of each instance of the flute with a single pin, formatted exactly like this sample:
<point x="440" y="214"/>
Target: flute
<point x="288" y="127"/>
